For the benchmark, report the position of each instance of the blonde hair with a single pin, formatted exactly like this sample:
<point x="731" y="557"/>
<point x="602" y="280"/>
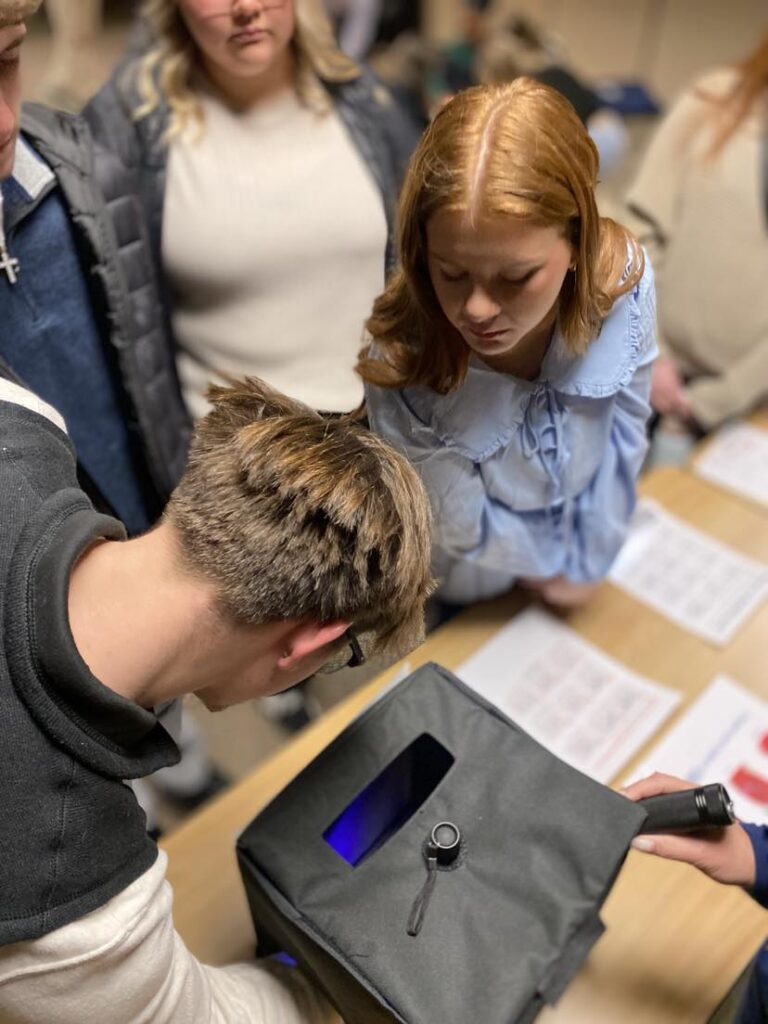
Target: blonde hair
<point x="166" y="69"/>
<point x="293" y="516"/>
<point x="515" y="150"/>
<point x="13" y="12"/>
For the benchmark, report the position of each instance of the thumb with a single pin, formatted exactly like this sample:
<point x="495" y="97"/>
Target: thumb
<point x="717" y="855"/>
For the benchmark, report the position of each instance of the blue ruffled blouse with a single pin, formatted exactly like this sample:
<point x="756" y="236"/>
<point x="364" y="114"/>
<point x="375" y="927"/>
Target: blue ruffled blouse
<point x="532" y="479"/>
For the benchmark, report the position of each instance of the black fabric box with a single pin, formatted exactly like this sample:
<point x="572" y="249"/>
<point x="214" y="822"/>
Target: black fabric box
<point x="334" y="865"/>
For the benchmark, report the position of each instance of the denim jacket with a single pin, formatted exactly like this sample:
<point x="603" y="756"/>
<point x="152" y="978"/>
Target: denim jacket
<point x="754" y="1005"/>
<point x="532" y="479"/>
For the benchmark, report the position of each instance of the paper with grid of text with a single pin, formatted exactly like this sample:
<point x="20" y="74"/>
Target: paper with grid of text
<point x="696" y="581"/>
<point x="722" y="737"/>
<point x="737" y="460"/>
<point x="581" y="704"/>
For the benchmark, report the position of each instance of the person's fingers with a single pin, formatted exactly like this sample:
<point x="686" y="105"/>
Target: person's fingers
<point x="569" y="595"/>
<point x="662" y="401"/>
<point x="698" y="852"/>
<point x="532" y="583"/>
<point x="725" y="854"/>
<point x="665" y="373"/>
<point x="653" y="785"/>
<point x="658" y="400"/>
<point x="682" y="408"/>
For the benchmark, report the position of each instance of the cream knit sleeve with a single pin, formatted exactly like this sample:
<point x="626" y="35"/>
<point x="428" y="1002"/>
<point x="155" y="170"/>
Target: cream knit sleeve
<point x="742" y="387"/>
<point x="653" y="199"/>
<point x="125" y="964"/>
<point x="652" y="202"/>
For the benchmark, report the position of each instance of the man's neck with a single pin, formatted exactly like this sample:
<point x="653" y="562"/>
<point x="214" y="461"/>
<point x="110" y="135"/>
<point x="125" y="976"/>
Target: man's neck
<point x="138" y="619"/>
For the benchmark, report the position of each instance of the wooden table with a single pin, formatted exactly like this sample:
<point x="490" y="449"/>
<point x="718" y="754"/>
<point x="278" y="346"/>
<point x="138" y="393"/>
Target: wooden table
<point x="675" y="941"/>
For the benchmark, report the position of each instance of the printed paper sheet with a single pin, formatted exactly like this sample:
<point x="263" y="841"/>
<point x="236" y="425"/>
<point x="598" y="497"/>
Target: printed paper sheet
<point x="576" y="701"/>
<point x="723" y="737"/>
<point x="737" y="459"/>
<point x="697" y="582"/>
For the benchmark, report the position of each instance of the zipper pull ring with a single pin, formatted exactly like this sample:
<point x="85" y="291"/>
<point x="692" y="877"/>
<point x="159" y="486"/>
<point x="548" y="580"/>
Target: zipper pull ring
<point x="420" y="904"/>
<point x="441" y="852"/>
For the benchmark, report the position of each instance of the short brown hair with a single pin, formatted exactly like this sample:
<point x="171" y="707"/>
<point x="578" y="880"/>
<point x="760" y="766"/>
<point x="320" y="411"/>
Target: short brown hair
<point x="520" y="151"/>
<point x="293" y="516"/>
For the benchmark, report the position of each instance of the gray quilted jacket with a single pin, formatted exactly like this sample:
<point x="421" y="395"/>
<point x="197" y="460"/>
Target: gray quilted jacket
<point x="113" y="243"/>
<point x="136" y="150"/>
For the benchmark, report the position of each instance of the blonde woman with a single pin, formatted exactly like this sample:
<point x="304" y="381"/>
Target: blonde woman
<point x="700" y="204"/>
<point x="511" y="353"/>
<point x="268" y="163"/>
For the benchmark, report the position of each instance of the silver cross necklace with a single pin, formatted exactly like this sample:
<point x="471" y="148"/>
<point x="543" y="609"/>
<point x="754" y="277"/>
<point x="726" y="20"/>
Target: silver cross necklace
<point x="8" y="264"/>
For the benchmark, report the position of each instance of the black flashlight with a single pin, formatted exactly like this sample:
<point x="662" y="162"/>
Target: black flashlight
<point x="689" y="810"/>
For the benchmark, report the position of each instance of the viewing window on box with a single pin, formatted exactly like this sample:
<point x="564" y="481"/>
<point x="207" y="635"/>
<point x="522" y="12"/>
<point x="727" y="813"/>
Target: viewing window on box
<point x="384" y="806"/>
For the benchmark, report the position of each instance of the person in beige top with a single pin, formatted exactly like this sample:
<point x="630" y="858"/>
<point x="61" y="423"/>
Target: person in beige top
<point x="267" y="163"/>
<point x="269" y="166"/>
<point x="700" y="206"/>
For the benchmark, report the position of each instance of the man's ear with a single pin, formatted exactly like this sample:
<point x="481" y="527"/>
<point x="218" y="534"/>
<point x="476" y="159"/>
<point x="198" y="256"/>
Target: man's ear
<point x="307" y="637"/>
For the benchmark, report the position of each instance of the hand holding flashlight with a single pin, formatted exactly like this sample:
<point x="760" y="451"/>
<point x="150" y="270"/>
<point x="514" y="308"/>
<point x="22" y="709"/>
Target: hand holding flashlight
<point x="688" y="810"/>
<point x="722" y="853"/>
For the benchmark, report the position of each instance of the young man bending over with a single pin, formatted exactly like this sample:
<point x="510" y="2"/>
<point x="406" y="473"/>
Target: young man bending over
<point x="288" y="541"/>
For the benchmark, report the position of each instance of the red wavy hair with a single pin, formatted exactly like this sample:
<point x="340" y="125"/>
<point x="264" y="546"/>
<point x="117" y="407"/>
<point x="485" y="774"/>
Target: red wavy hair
<point x="752" y="84"/>
<point x="512" y="150"/>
